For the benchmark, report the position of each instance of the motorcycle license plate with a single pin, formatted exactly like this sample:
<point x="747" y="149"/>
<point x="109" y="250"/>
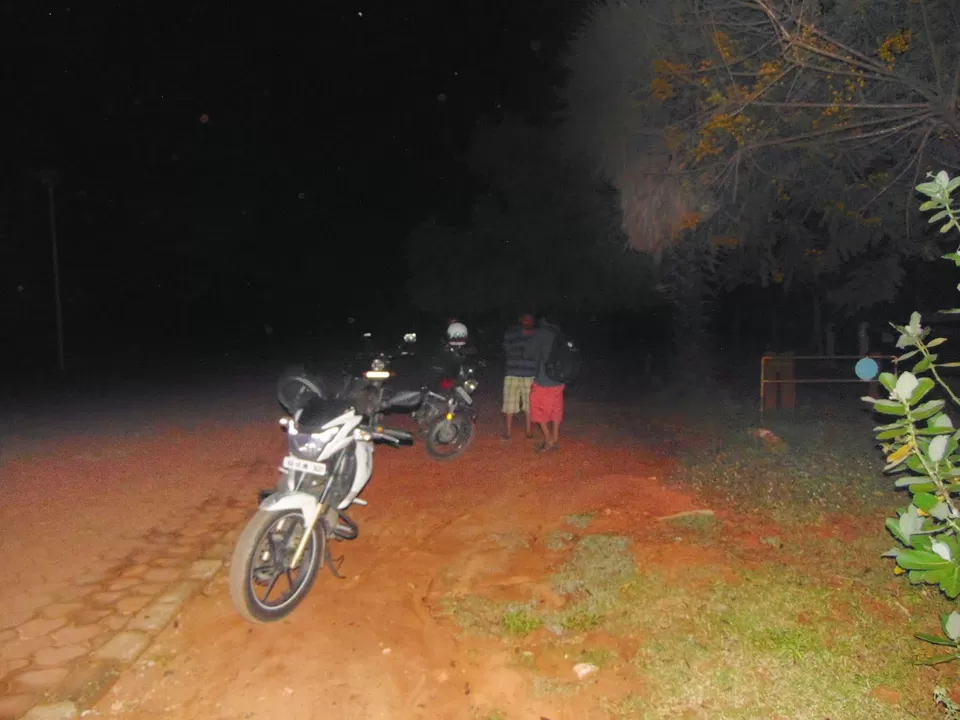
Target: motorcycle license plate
<point x="307" y="466"/>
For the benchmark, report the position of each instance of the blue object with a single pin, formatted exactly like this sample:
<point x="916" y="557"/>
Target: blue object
<point x="866" y="368"/>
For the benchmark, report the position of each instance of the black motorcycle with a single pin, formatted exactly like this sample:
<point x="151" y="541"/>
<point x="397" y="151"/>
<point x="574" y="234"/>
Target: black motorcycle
<point x="297" y="384"/>
<point x="447" y="416"/>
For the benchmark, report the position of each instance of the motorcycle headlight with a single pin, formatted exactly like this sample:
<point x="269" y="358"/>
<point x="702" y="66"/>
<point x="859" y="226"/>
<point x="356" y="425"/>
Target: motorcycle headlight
<point x="471" y="386"/>
<point x="308" y="446"/>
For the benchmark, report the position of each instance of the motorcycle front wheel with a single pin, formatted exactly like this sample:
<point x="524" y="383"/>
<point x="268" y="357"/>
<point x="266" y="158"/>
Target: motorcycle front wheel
<point x="263" y="586"/>
<point x="449" y="439"/>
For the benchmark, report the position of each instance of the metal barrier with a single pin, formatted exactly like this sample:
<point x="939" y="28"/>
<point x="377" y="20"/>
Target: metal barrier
<point x="783" y="368"/>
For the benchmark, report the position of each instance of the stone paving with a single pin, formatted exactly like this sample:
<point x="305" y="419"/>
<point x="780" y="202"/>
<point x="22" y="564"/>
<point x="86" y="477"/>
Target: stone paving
<point x="60" y="656"/>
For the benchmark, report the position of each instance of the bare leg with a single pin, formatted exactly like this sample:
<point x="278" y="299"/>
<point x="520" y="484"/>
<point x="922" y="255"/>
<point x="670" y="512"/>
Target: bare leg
<point x="509" y="425"/>
<point x="545" y="429"/>
<point x="550" y="432"/>
<point x="525" y="407"/>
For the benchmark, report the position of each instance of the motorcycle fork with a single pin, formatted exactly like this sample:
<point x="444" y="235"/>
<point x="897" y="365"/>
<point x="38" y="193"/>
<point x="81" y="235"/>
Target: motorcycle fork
<point x="307" y="532"/>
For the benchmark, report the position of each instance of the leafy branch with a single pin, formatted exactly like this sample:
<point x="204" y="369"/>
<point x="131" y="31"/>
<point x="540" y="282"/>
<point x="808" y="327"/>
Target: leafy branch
<point x="922" y="443"/>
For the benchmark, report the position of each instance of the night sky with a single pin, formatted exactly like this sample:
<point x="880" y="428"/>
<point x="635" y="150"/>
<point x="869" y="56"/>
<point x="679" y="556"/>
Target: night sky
<point x="224" y="169"/>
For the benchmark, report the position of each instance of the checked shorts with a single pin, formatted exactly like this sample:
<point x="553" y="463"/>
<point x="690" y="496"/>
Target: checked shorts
<point x="516" y="394"/>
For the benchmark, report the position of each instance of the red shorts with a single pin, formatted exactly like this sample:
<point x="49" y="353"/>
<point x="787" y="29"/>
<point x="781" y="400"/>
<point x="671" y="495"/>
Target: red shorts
<point x="546" y="403"/>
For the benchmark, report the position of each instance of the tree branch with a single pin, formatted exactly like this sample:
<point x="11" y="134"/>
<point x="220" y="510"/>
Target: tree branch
<point x="783" y="35"/>
<point x="844" y="73"/>
<point x="873" y="141"/>
<point x="856" y="106"/>
<point x="804" y="138"/>
<point x="934" y="52"/>
<point x="910" y="193"/>
<point x="889" y="131"/>
<point x="956" y="19"/>
<point x="917" y="154"/>
<point x="856" y="58"/>
<point x="945" y="163"/>
<point x="920" y="88"/>
<point x="954" y="105"/>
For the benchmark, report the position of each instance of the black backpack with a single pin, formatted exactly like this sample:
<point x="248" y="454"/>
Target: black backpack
<point x="563" y="362"/>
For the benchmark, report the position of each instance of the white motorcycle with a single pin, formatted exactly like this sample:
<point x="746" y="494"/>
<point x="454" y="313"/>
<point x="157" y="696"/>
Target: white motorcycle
<point x="328" y="464"/>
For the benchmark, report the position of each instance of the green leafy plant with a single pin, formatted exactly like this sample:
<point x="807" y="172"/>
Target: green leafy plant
<point x="950" y="624"/>
<point x="921" y="445"/>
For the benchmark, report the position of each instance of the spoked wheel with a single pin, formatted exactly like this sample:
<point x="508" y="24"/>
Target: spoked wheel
<point x="449" y="439"/>
<point x="263" y="586"/>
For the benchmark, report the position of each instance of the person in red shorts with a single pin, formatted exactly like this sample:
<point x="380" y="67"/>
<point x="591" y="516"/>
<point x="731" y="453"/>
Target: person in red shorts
<point x="546" y="394"/>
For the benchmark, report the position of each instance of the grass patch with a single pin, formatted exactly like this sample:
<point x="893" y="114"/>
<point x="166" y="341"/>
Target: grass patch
<point x="520" y="620"/>
<point x="525" y="659"/>
<point x="594" y="577"/>
<point x="488" y="715"/>
<point x="482" y="616"/>
<point x="599" y="562"/>
<point x="546" y="687"/>
<point x="626" y="708"/>
<point x="558" y="540"/>
<point x="699" y="523"/>
<point x="599" y="657"/>
<point x="774" y="641"/>
<point x="775" y="644"/>
<point x="579" y="520"/>
<point x="474" y="614"/>
<point x="830" y="467"/>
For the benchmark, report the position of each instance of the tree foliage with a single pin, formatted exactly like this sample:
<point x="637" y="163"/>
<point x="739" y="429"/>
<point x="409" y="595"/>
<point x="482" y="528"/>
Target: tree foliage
<point x="787" y="133"/>
<point x="540" y="235"/>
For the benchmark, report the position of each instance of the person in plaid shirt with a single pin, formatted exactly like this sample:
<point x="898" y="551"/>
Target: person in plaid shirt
<point x="520" y="371"/>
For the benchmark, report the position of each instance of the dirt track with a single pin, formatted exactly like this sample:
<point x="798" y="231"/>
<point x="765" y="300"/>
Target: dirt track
<point x="376" y="644"/>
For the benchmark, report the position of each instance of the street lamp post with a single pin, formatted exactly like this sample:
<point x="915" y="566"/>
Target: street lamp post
<point x="49" y="179"/>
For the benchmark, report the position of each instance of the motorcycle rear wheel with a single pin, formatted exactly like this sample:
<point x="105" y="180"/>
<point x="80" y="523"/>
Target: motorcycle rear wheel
<point x="259" y="560"/>
<point x="466" y="430"/>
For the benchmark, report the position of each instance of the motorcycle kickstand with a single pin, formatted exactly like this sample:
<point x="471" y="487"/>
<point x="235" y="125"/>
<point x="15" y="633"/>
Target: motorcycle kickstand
<point x="332" y="564"/>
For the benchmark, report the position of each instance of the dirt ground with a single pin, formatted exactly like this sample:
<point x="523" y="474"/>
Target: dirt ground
<point x="379" y="643"/>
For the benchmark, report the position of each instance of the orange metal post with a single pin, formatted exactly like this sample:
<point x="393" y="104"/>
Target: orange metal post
<point x="788" y="389"/>
<point x="779" y="372"/>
